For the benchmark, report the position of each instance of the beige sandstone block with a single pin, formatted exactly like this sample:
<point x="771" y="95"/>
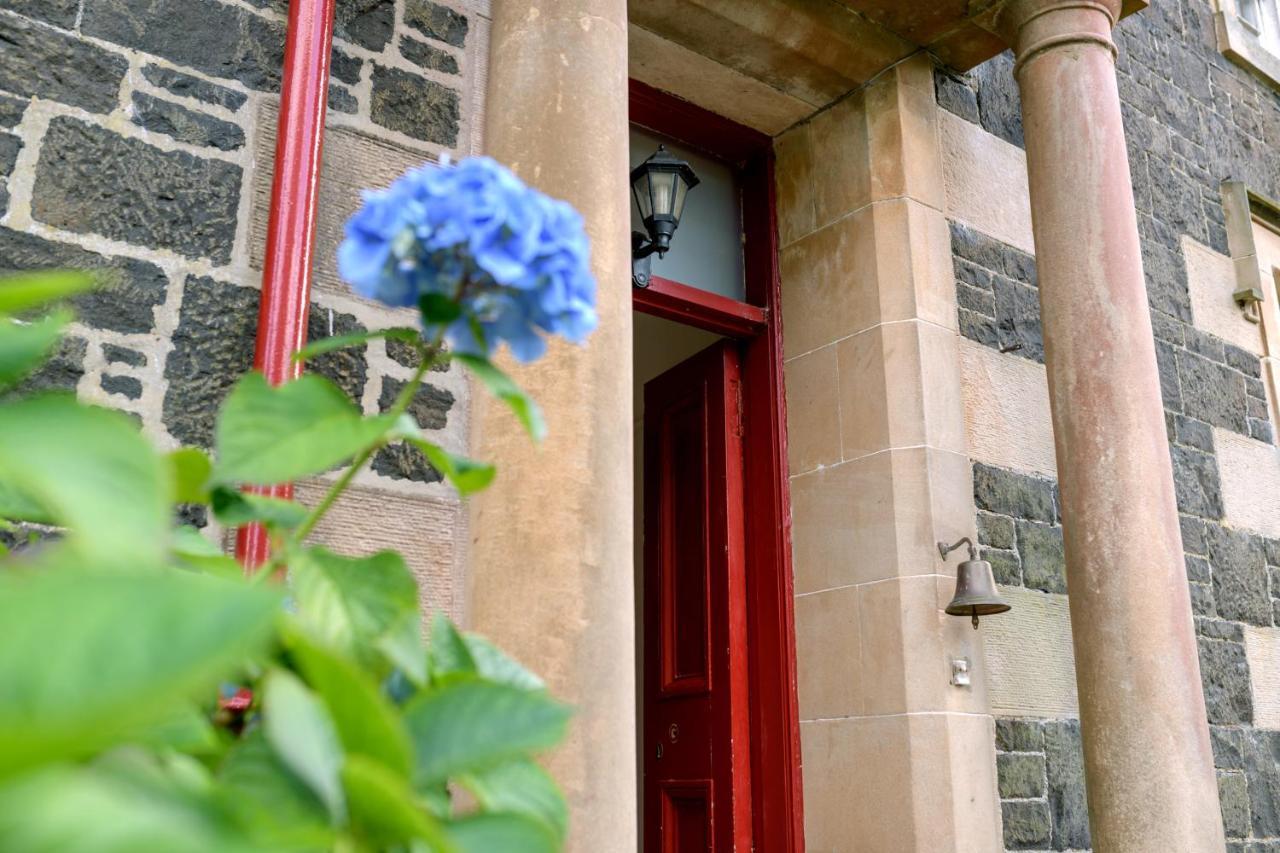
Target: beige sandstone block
<point x="430" y="532"/>
<point x="829" y="284"/>
<point x="1211" y="279"/>
<point x="795" y="180"/>
<point x="1250" y="475"/>
<point x="839" y="139"/>
<point x="1030" y="665"/>
<point x="900" y="783"/>
<point x="352" y="162"/>
<point x="674" y="68"/>
<point x="878" y="517"/>
<point x="813" y="410"/>
<point x="986" y="181"/>
<point x="894" y="389"/>
<point x="1262" y="648"/>
<point x="908" y="644"/>
<point x="828" y="654"/>
<point x="1006" y="410"/>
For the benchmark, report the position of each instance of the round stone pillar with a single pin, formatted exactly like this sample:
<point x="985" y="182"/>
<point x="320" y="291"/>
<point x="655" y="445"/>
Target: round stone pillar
<point x="1148" y="764"/>
<point x="550" y="572"/>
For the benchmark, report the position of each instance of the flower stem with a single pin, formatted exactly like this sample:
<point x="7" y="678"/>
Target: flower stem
<point x="428" y="356"/>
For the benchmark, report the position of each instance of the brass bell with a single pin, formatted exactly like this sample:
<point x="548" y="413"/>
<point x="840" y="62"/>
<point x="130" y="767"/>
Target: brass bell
<point x="975" y="586"/>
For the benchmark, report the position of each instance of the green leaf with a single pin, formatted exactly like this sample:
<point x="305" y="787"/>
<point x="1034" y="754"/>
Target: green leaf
<point x="23" y="346"/>
<point x="189" y="471"/>
<point x="521" y="787"/>
<point x="280" y="810"/>
<point x="455" y="653"/>
<point x="91" y="659"/>
<point x="364" y="607"/>
<point x="337" y="342"/>
<point x="192" y="550"/>
<point x="106" y="809"/>
<point x="448" y="653"/>
<point x="495" y="665"/>
<point x="438" y="309"/>
<point x="366" y="721"/>
<point x="469" y="724"/>
<point x="233" y="508"/>
<point x="510" y="833"/>
<point x="90" y="470"/>
<point x="302" y="734"/>
<point x="501" y="386"/>
<point x="383" y="805"/>
<point x="466" y="475"/>
<point x="271" y="435"/>
<point x="28" y="290"/>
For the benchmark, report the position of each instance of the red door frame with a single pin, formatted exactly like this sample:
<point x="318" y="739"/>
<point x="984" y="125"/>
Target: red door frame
<point x="777" y="807"/>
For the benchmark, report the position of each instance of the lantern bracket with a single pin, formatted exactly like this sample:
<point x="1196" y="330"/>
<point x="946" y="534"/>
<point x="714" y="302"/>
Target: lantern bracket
<point x="642" y="251"/>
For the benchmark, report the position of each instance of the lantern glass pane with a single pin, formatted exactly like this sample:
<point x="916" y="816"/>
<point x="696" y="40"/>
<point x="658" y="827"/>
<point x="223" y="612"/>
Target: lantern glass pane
<point x="681" y="190"/>
<point x="641" y="190"/>
<point x="663" y="197"/>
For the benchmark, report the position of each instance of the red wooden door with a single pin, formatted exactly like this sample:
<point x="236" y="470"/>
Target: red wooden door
<point x="697" y="787"/>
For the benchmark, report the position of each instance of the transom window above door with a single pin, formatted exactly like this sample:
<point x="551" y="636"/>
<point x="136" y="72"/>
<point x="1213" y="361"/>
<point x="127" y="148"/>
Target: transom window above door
<point x="706" y="252"/>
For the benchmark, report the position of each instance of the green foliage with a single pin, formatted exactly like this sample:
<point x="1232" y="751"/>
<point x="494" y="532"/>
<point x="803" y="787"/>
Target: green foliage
<point x="154" y="697"/>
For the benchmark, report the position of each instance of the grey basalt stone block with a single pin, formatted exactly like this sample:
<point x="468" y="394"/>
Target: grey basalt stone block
<point x="1233" y="797"/>
<point x="1224" y="672"/>
<point x="93" y="181"/>
<point x="126" y="386"/>
<point x="1239" y="566"/>
<point x="184" y="125"/>
<point x="1212" y="392"/>
<point x="126" y="305"/>
<point x="996" y="531"/>
<point x="1027" y="824"/>
<point x="38" y="61"/>
<point x="1019" y="735"/>
<point x="1020" y="776"/>
<point x="216" y="38"/>
<point x="428" y="56"/>
<point x="341" y="100"/>
<point x="415" y="106"/>
<point x="59" y="12"/>
<point x="1044" y="564"/>
<point x="190" y="86"/>
<point x="123" y="355"/>
<point x="61" y="372"/>
<point x="1005" y="567"/>
<point x="1195" y="482"/>
<point x="1064" y="759"/>
<point x="1261" y="750"/>
<point x="435" y="21"/>
<point x="1006" y="492"/>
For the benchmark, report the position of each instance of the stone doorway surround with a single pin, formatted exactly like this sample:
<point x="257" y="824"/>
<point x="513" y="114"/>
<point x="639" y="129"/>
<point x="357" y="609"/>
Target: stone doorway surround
<point x="895" y="756"/>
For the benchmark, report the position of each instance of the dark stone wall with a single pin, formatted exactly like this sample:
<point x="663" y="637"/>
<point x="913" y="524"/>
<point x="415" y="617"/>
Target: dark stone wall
<point x="127" y="133"/>
<point x="1193" y="119"/>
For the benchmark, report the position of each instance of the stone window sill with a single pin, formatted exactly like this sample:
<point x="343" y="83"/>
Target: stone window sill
<point x="1238" y="42"/>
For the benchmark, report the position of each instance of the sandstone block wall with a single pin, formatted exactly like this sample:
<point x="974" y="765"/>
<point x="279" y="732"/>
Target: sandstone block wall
<point x="137" y="136"/>
<point x="1193" y="119"/>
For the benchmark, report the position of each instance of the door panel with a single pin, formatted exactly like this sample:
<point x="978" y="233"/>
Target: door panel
<point x="696" y="758"/>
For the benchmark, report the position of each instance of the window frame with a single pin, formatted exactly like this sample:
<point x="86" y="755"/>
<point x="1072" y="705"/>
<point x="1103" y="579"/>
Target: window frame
<point x="1254" y="48"/>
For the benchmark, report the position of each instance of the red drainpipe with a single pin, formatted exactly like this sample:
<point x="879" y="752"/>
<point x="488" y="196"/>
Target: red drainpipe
<point x="291" y="230"/>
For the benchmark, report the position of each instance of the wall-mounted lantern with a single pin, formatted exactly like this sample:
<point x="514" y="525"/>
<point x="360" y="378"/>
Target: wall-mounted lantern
<point x="975" y="586"/>
<point x="659" y="185"/>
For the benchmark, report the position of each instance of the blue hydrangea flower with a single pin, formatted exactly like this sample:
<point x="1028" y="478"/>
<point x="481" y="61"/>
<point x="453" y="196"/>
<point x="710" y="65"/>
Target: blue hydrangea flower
<point x="514" y="260"/>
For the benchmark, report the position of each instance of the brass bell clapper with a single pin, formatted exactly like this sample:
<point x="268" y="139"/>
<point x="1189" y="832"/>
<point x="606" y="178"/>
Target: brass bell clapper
<point x="975" y="586"/>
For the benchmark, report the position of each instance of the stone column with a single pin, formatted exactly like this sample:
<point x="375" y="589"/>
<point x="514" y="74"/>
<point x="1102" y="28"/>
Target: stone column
<point x="1148" y="764"/>
<point x="550" y="574"/>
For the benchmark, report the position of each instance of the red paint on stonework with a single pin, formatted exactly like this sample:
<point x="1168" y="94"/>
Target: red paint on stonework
<point x="286" y="275"/>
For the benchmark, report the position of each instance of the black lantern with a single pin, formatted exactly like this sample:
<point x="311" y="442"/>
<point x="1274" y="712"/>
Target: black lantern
<point x="659" y="185"/>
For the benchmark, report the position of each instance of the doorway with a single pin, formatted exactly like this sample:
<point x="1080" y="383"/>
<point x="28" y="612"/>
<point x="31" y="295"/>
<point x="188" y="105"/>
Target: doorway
<point x="718" y="732"/>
